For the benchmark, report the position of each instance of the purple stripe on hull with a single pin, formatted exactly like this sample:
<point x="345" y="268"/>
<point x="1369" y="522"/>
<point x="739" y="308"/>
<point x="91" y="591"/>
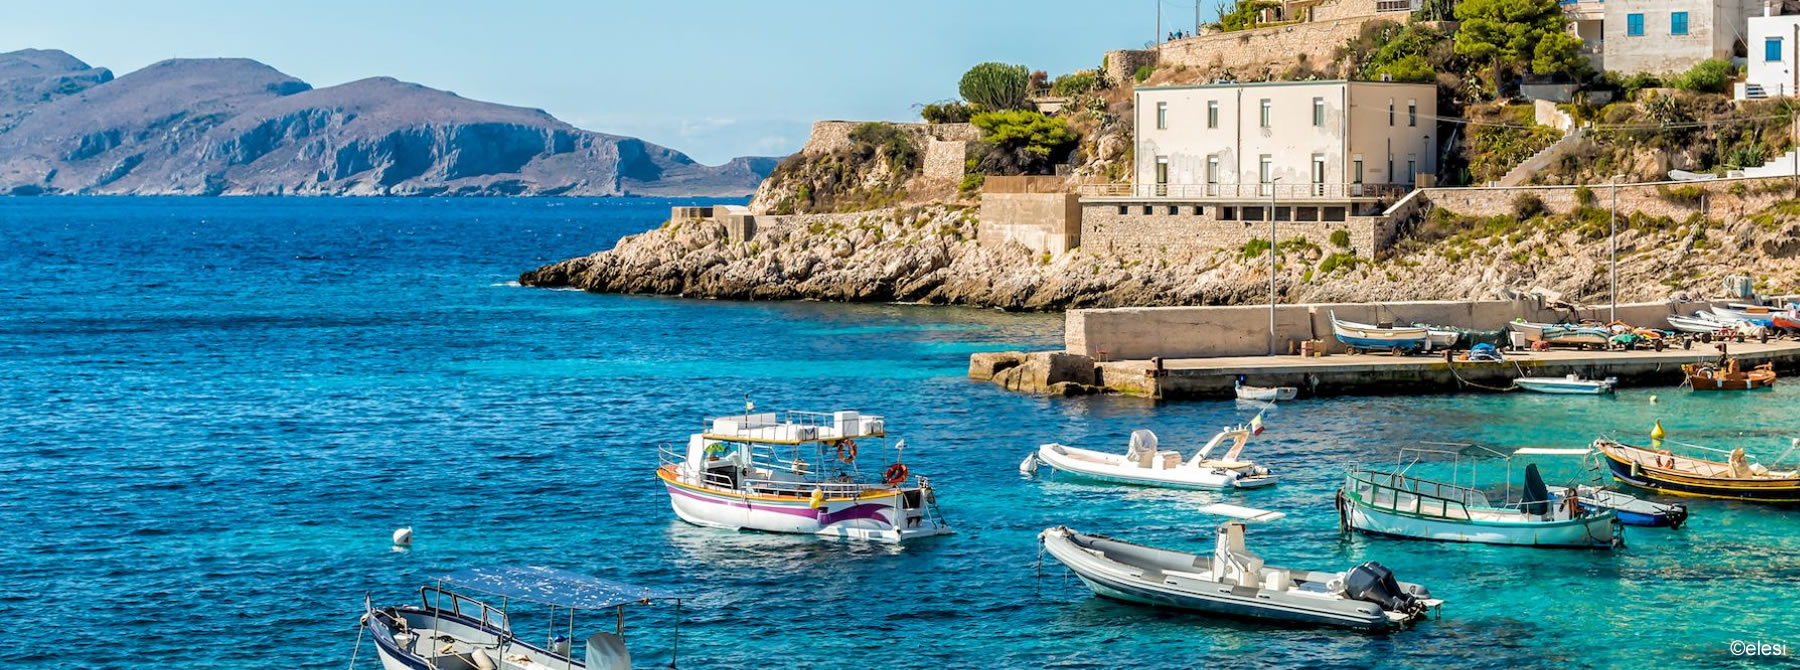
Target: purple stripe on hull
<point x="871" y="511"/>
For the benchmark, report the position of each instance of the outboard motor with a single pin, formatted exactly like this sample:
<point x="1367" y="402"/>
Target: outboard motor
<point x="1537" y="496"/>
<point x="1373" y="582"/>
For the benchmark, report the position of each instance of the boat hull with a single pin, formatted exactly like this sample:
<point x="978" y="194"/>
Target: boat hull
<point x="878" y="517"/>
<point x="1267" y="393"/>
<point x="1564" y="386"/>
<point x="1200" y="480"/>
<point x="1596" y="532"/>
<point x="1775" y="491"/>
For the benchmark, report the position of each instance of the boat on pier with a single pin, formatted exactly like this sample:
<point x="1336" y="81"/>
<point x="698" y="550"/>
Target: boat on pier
<point x="800" y="472"/>
<point x="1234" y="582"/>
<point x="1365" y="337"/>
<point x="1564" y="334"/>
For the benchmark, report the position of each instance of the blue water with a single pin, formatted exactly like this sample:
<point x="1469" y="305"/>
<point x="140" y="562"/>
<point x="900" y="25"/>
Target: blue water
<point x="215" y="412"/>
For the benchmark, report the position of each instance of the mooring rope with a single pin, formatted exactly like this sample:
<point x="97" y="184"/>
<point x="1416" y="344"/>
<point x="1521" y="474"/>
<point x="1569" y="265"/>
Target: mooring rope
<point x="1451" y="361"/>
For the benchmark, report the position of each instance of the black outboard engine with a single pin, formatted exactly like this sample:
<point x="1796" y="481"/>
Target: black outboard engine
<point x="1373" y="582"/>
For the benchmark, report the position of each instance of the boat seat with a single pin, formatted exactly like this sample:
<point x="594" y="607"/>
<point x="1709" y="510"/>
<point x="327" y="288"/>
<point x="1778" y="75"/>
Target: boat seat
<point x="1232" y="558"/>
<point x="1276" y="579"/>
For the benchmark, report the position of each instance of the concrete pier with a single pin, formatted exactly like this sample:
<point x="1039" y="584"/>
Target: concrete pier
<point x="1373" y="374"/>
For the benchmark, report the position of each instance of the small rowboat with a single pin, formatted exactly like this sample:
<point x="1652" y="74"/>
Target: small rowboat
<point x="1362" y="336"/>
<point x="1632" y="510"/>
<point x="1265" y="393"/>
<point x="1701" y="323"/>
<point x="1563" y="334"/>
<point x="1714" y="377"/>
<point x="1734" y="479"/>
<point x="1569" y="385"/>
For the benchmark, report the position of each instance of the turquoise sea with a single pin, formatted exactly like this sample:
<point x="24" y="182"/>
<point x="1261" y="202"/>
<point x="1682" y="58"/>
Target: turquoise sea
<point x="213" y="412"/>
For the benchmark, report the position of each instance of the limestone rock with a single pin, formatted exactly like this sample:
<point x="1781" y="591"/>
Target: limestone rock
<point x="984" y="365"/>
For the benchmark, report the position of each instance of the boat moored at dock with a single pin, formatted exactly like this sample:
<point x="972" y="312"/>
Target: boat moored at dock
<point x="1632" y="511"/>
<point x="1728" y="376"/>
<point x="1236" y="583"/>
<point x="1144" y="464"/>
<point x="1567" y="385"/>
<point x="800" y="472"/>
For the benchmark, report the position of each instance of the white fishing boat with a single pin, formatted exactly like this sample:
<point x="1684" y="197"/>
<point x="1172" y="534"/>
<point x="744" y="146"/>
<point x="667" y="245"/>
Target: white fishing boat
<point x="1236" y="583"/>
<point x="1701" y="322"/>
<point x="1398" y="505"/>
<point x="1760" y="315"/>
<point x="449" y="630"/>
<point x="1146" y="465"/>
<point x="1441" y="339"/>
<point x="800" y="472"/>
<point x="1361" y="336"/>
<point x="1264" y="393"/>
<point x="1563" y="334"/>
<point x="1568" y="385"/>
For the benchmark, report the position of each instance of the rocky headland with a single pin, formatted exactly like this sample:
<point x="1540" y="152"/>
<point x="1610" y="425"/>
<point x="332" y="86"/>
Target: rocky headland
<point x="238" y="127"/>
<point x="929" y="255"/>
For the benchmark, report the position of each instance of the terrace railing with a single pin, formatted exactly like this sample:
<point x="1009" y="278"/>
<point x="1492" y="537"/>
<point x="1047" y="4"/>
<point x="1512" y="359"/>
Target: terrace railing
<point x="1244" y="191"/>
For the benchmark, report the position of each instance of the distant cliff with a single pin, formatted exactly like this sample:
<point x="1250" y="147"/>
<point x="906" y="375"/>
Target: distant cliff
<point x="236" y="126"/>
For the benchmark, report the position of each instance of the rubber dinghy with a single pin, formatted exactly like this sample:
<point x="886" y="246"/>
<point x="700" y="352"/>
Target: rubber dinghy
<point x="1233" y="582"/>
<point x="1144" y="464"/>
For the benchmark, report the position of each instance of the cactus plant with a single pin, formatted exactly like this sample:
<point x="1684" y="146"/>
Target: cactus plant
<point x="996" y="86"/>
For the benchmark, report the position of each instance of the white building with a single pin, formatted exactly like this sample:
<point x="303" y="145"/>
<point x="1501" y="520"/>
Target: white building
<point x="1773" y="44"/>
<point x="1337" y="141"/>
<point x="1661" y="36"/>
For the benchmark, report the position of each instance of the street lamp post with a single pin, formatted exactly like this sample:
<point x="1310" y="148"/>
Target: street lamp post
<point x="1612" y="310"/>
<point x="1272" y="182"/>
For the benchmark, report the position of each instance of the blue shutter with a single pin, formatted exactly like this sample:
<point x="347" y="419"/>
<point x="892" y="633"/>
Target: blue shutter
<point x="1678" y="23"/>
<point x="1634" y="25"/>
<point x="1772" y="50"/>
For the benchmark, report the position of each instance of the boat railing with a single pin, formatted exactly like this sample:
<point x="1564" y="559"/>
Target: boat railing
<point x="786" y="427"/>
<point x="831" y="489"/>
<point x="433" y="599"/>
<point x="1383" y="490"/>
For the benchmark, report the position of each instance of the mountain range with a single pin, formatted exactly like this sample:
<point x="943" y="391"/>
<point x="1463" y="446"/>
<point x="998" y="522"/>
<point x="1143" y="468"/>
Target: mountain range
<point x="232" y="126"/>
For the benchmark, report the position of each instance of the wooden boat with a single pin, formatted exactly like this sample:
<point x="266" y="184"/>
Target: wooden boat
<point x="1728" y="377"/>
<point x="1787" y="319"/>
<point x="1735" y="478"/>
<point x="1396" y="504"/>
<point x="1234" y="582"/>
<point x="1362" y="336"/>
<point x="1563" y="334"/>
<point x="1264" y="393"/>
<point x="1632" y="510"/>
<point x="1569" y="385"/>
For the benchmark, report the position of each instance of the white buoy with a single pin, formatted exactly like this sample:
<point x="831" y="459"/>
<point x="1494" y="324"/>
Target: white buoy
<point x="403" y="537"/>
<point x="1652" y="400"/>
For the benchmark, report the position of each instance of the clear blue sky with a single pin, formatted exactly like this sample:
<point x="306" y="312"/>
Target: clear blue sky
<point x="714" y="79"/>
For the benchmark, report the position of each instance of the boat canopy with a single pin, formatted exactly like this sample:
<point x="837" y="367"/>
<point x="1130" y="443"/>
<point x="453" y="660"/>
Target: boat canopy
<point x="550" y="586"/>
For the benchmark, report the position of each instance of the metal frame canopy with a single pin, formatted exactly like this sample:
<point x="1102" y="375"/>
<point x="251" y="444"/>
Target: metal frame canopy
<point x="551" y="586"/>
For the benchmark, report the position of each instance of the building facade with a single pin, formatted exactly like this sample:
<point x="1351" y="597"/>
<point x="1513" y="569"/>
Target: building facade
<point x="1774" y="48"/>
<point x="1665" y="36"/>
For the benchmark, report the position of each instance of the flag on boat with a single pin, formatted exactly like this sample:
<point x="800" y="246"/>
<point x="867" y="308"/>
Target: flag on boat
<point x="1256" y="425"/>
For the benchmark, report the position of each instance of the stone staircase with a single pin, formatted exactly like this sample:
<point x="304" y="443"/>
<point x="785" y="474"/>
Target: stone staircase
<point x="1780" y="166"/>
<point x="1540" y="160"/>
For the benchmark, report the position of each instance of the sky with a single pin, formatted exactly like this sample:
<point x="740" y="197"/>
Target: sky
<point x="713" y="79"/>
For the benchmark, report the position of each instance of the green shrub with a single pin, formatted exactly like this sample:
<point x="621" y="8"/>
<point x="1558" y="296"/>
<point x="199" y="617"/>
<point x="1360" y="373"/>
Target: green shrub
<point x="1340" y="239"/>
<point x="1690" y="195"/>
<point x="1022" y="142"/>
<point x="1712" y="75"/>
<point x="949" y="111"/>
<point x="1253" y="249"/>
<point x="996" y="86"/>
<point x="1075" y="83"/>
<point x="1142" y="73"/>
<point x="1339" y="261"/>
<point x="1584" y="196"/>
<point x="1243" y="15"/>
<point x="1527" y="205"/>
<point x="887" y="142"/>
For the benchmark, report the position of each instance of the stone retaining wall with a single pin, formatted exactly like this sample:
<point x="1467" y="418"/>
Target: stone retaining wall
<point x="1042" y="222"/>
<point x="1721" y="198"/>
<point x="1160" y="234"/>
<point x="1248" y="52"/>
<point x="829" y="136"/>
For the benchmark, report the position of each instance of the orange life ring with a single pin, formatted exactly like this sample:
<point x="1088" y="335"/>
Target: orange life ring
<point x="895" y="474"/>
<point x="846" y="451"/>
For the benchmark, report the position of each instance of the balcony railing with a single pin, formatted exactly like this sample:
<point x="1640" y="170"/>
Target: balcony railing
<point x="1397" y="5"/>
<point x="1244" y="191"/>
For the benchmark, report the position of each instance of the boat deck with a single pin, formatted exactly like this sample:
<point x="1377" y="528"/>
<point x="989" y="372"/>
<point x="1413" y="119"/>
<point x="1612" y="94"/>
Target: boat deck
<point x="1373" y="374"/>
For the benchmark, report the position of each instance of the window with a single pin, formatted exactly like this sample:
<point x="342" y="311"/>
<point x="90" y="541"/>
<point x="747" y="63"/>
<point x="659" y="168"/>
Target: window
<point x="1634" y="25"/>
<point x="1212" y="175"/>
<point x="1265" y="112"/>
<point x="1199" y="211"/>
<point x="1412" y="113"/>
<point x="1390" y="172"/>
<point x="1212" y="113"/>
<point x="1123" y="210"/>
<point x="1678" y="23"/>
<point x="1356" y="171"/>
<point x="1390" y="112"/>
<point x="1162" y="115"/>
<point x="1227" y="213"/>
<point x="1162" y="172"/>
<point x="1772" y="50"/>
<point x="1412" y="171"/>
<point x="1318" y="111"/>
<point x="1318" y="174"/>
<point x="1266" y="174"/>
<point x="1146" y="210"/>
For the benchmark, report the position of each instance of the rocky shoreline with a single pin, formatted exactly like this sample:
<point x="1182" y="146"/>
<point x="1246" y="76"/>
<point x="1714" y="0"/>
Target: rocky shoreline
<point x="929" y="255"/>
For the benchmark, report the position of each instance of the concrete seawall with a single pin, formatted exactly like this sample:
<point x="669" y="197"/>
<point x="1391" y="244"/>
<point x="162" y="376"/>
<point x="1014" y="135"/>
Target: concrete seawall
<point x="1203" y="332"/>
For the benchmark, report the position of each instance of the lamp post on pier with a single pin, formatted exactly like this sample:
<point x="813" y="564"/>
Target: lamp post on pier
<point x="1612" y="237"/>
<point x="1272" y="182"/>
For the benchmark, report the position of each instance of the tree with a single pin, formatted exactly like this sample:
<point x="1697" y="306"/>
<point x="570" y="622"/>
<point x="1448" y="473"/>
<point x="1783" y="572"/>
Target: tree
<point x="1508" y="34"/>
<point x="1022" y="142"/>
<point x="996" y="86"/>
